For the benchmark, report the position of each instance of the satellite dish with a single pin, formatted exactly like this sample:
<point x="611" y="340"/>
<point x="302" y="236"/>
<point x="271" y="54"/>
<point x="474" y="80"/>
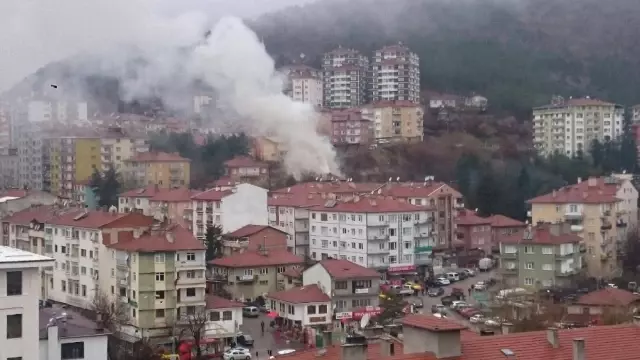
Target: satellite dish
<point x="364" y="321"/>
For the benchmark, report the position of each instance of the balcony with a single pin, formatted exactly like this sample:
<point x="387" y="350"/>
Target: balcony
<point x="577" y="228"/>
<point x="123" y="282"/>
<point x="566" y="273"/>
<point x="190" y="281"/>
<point x="422" y="249"/>
<point x="511" y="256"/>
<point x="378" y="237"/>
<point x="509" y="271"/>
<point x="621" y="224"/>
<point x="363" y="291"/>
<point x="425" y="221"/>
<point x="190" y="299"/>
<point x="560" y="256"/>
<point x="573" y="215"/>
<point x="606" y="225"/>
<point x="122" y="264"/>
<point x="376" y="250"/>
<point x="246" y="278"/>
<point x="218" y="277"/>
<point x="582" y="248"/>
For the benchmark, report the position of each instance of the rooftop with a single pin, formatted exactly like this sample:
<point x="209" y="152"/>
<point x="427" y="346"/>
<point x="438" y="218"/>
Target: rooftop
<point x="172" y="237"/>
<point x="244" y="161"/>
<point x="217" y="302"/>
<point x="74" y="326"/>
<point x="301" y="295"/>
<point x="295" y="199"/>
<point x="592" y="191"/>
<point x="292" y="272"/>
<point x="469" y="218"/>
<point x="586" y="101"/>
<point x="336" y="187"/>
<point x="214" y="194"/>
<point x="9" y="255"/>
<point x="96" y="219"/>
<point x="174" y="195"/>
<point x="255" y="258"/>
<point x="39" y="213"/>
<point x="152" y="156"/>
<point x="608" y="297"/>
<point x="272" y="238"/>
<point x="417" y="189"/>
<point x="542" y="234"/>
<point x="367" y="204"/>
<point x="344" y="269"/>
<point x="249" y="230"/>
<point x="500" y="221"/>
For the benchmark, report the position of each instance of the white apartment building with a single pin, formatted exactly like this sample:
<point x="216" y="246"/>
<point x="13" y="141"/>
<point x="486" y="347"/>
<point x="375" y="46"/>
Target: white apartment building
<point x="28" y="138"/>
<point x="307" y="305"/>
<point x="395" y="74"/>
<point x="289" y="213"/>
<point x="225" y="317"/>
<point x="9" y="168"/>
<point x="375" y="232"/>
<point x="570" y="126"/>
<point x="345" y="78"/>
<point x="243" y="204"/>
<point x="308" y="90"/>
<point x="63" y="111"/>
<point x="20" y="291"/>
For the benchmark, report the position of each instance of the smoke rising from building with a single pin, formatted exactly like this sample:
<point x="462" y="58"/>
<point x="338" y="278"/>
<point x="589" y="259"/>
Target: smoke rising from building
<point x="167" y="55"/>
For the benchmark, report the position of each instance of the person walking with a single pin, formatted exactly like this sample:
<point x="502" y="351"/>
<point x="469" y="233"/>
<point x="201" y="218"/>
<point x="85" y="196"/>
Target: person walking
<point x="262" y="326"/>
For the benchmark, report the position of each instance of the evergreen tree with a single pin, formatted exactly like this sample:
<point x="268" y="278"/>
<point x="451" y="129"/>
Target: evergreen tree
<point x="488" y="193"/>
<point x="628" y="147"/>
<point x="392" y="305"/>
<point x="213" y="241"/>
<point x="96" y="181"/>
<point x="110" y="188"/>
<point x="597" y="153"/>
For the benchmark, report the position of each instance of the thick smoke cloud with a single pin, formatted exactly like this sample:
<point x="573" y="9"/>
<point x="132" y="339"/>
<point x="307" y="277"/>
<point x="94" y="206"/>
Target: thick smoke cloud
<point x="106" y="38"/>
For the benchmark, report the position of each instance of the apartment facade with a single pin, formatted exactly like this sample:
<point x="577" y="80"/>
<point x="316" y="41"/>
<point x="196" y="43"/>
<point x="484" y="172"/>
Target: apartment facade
<point x="307" y="305"/>
<point x="503" y="226"/>
<point x="542" y="256"/>
<point x="57" y="111"/>
<point x="267" y="149"/>
<point x="289" y="213"/>
<point x="395" y="74"/>
<point x="600" y="210"/>
<point x="303" y="84"/>
<point x="163" y="169"/>
<point x="158" y="202"/>
<point x="570" y="126"/>
<point x="9" y="168"/>
<point x="351" y="127"/>
<point x="28" y="138"/>
<point x="118" y="145"/>
<point x="473" y="235"/>
<point x="20" y="291"/>
<point x="353" y="288"/>
<point x="345" y="78"/>
<point x="71" y="159"/>
<point x="396" y="121"/>
<point x="374" y="232"/>
<point x="254" y="238"/>
<point x="244" y="168"/>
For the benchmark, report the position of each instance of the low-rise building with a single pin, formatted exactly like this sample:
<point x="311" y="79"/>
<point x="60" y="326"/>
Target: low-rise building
<point x="244" y="168"/>
<point x="353" y="288"/>
<point x="501" y="227"/>
<point x="603" y="303"/>
<point x="254" y="238"/>
<point x="396" y="121"/>
<point x="473" y="233"/>
<point x="541" y="256"/>
<point x="307" y="306"/>
<point x="65" y="334"/>
<point x="157" y="168"/>
<point x="20" y="291"/>
<point x="251" y="274"/>
<point x="290" y="278"/>
<point x="224" y="318"/>
<point x="351" y="127"/>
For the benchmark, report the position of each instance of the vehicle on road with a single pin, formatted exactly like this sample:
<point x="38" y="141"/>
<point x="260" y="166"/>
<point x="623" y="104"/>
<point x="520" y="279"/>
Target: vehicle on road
<point x="245" y="340"/>
<point x="480" y="286"/>
<point x="438" y="308"/>
<point x="468" y="312"/>
<point x="494" y="322"/>
<point x="406" y="290"/>
<point x="286" y="351"/>
<point x="477" y="319"/>
<point x="250" y="311"/>
<point x="440" y="315"/>
<point x="417" y="303"/>
<point x="458" y="304"/>
<point x="441" y="281"/>
<point x="447" y="300"/>
<point x="457" y="293"/>
<point x="469" y="272"/>
<point x="435" y="292"/>
<point x="413" y="285"/>
<point x="237" y="354"/>
<point x="453" y="276"/>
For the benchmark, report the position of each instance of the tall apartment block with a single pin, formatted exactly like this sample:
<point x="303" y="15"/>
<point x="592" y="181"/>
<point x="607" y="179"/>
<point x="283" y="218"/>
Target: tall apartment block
<point x="345" y="75"/>
<point x="395" y="74"/>
<point x="570" y="126"/>
<point x="72" y="159"/>
<point x="27" y="137"/>
<point x="304" y="84"/>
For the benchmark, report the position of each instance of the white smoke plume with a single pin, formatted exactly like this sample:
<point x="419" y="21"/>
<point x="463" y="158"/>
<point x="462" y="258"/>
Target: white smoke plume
<point x="106" y="37"/>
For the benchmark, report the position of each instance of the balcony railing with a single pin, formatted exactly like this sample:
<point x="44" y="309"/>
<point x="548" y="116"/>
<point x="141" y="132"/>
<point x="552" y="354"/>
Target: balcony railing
<point x="509" y="255"/>
<point x="378" y="237"/>
<point x="246" y="278"/>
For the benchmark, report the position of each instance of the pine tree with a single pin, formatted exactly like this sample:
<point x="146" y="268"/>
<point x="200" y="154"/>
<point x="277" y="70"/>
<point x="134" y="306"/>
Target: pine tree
<point x="213" y="242"/>
<point x="109" y="189"/>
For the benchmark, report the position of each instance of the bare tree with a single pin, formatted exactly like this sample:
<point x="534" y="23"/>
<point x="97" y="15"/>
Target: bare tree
<point x="194" y="325"/>
<point x="110" y="314"/>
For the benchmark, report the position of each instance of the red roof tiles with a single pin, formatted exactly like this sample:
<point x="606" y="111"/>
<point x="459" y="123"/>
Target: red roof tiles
<point x="292" y="272"/>
<point x="174" y="195"/>
<point x="217" y="302"/>
<point x="417" y="190"/>
<point x="469" y="218"/>
<point x="211" y="195"/>
<point x="254" y="259"/>
<point x="336" y="187"/>
<point x="608" y="297"/>
<point x="431" y="323"/>
<point x="295" y="200"/>
<point x="39" y="213"/>
<point x="145" y="192"/>
<point x="592" y="191"/>
<point x="172" y="238"/>
<point x="100" y="219"/>
<point x="345" y="269"/>
<point x="501" y="221"/>
<point x="368" y="204"/>
<point x="541" y="234"/>
<point x="18" y="193"/>
<point x="301" y="295"/>
<point x="244" y="161"/>
<point x="152" y="156"/>
<point x="249" y="230"/>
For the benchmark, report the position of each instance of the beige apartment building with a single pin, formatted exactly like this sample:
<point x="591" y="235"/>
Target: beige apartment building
<point x="395" y="74"/>
<point x="118" y="145"/>
<point x="159" y="168"/>
<point x="600" y="210"/>
<point x="396" y="121"/>
<point x="569" y="126"/>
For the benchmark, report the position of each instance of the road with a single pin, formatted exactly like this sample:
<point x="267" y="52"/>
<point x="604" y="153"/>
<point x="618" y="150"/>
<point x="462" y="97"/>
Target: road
<point x="263" y="342"/>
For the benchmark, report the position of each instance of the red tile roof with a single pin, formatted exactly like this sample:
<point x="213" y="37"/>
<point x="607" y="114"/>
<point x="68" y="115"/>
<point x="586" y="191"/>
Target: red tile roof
<point x="394" y="103"/>
<point x="249" y="230"/>
<point x="431" y="323"/>
<point x="345" y="269"/>
<point x="217" y="302"/>
<point x="368" y="204"/>
<point x="295" y="200"/>
<point x="272" y="238"/>
<point x="254" y="259"/>
<point x="145" y="192"/>
<point x="174" y="195"/>
<point x="336" y="187"/>
<point x="469" y="218"/>
<point x="172" y="238"/>
<point x="224" y="182"/>
<point x="501" y="221"/>
<point x="581" y="193"/>
<point x="211" y="195"/>
<point x="608" y="297"/>
<point x="541" y="235"/>
<point x="244" y="161"/>
<point x="152" y="156"/>
<point x="416" y="190"/>
<point x="39" y="213"/>
<point x="100" y="219"/>
<point x="292" y="272"/>
<point x="18" y="193"/>
<point x="587" y="102"/>
<point x="301" y="295"/>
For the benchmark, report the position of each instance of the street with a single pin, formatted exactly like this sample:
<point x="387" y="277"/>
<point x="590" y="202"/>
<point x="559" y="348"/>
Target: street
<point x="267" y="341"/>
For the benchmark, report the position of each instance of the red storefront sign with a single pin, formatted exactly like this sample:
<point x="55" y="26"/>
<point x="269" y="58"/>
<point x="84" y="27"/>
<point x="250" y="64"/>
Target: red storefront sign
<point x="401" y="269"/>
<point x="371" y="310"/>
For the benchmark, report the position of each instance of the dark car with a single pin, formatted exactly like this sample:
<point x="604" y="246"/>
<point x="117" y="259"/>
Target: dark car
<point x="447" y="300"/>
<point x="435" y="292"/>
<point x="245" y="340"/>
<point x="418" y="303"/>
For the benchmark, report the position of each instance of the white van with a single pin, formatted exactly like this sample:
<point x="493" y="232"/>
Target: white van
<point x="453" y="276"/>
<point x="510" y="292"/>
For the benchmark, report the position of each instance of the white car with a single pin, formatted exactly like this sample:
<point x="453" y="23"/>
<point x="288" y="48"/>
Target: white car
<point x="469" y="272"/>
<point x="458" y="303"/>
<point x="443" y="281"/>
<point x="480" y="285"/>
<point x="237" y="354"/>
<point x="495" y="322"/>
<point x="440" y="316"/>
<point x="477" y="319"/>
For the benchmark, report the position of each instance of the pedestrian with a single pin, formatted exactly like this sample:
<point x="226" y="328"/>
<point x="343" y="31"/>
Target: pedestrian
<point x="262" y="326"/>
<point x="470" y="291"/>
<point x="256" y="354"/>
<point x="270" y="352"/>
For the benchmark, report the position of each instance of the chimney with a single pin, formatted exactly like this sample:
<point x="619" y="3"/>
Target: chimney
<point x="636" y="320"/>
<point x="552" y="337"/>
<point x="578" y="349"/>
<point x="327" y="338"/>
<point x="579" y="180"/>
<point x="387" y="347"/>
<point x="592" y="182"/>
<point x="354" y="348"/>
<point x="507" y="328"/>
<point x="442" y="337"/>
<point x="53" y="343"/>
<point x="553" y="193"/>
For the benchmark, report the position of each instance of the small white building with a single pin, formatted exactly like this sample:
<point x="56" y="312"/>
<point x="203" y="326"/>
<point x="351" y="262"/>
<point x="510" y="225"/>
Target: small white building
<point x="243" y="204"/>
<point x="307" y="305"/>
<point x="224" y="318"/>
<point x="68" y="335"/>
<point x="20" y="291"/>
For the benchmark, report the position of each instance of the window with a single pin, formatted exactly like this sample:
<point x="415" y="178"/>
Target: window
<point x="528" y="281"/>
<point x="83" y="252"/>
<point x="227" y="315"/>
<point x="14" y="283"/>
<point x="547" y="267"/>
<point x="528" y="249"/>
<point x="323" y="217"/>
<point x="547" y="250"/>
<point x="159" y="276"/>
<point x="280" y="269"/>
<point x="159" y="295"/>
<point x="264" y="271"/>
<point x="214" y="316"/>
<point x="191" y="274"/>
<point x="341" y="285"/>
<point x="74" y="350"/>
<point x="248" y="272"/>
<point x="191" y="292"/>
<point x="14" y="326"/>
<point x="291" y="309"/>
<point x="63" y="285"/>
<point x="191" y="257"/>
<point x="311" y="309"/>
<point x="322" y="309"/>
<point x="159" y="258"/>
<point x="159" y="313"/>
<point x="84" y="290"/>
<point x="528" y="266"/>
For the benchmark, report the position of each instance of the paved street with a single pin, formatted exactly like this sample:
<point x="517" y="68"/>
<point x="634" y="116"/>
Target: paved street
<point x="269" y="341"/>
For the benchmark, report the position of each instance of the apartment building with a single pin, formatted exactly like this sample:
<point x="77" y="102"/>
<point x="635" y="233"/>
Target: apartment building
<point x="9" y="168"/>
<point x="303" y="84"/>
<point x="395" y="74"/>
<point x="503" y="226"/>
<point x="20" y="291"/>
<point x="5" y="127"/>
<point x="375" y="232"/>
<point x="307" y="305"/>
<point x="542" y="256"/>
<point x="570" y="126"/>
<point x="353" y="288"/>
<point x="163" y="169"/>
<point x="351" y="127"/>
<point x="118" y="145"/>
<point x="396" y="121"/>
<point x="249" y="274"/>
<point x="158" y="202"/>
<point x="600" y="210"/>
<point x="244" y="204"/>
<point x="158" y="271"/>
<point x="246" y="169"/>
<point x="289" y="212"/>
<point x="28" y="138"/>
<point x="473" y="236"/>
<point x="345" y="78"/>
<point x="267" y="149"/>
<point x="71" y="159"/>
<point x="254" y="238"/>
<point x="57" y="111"/>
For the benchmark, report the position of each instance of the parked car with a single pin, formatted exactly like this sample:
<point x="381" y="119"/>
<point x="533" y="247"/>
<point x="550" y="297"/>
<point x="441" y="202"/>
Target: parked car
<point x="469" y="312"/>
<point x="457" y="293"/>
<point x="494" y="322"/>
<point x="438" y="308"/>
<point x="250" y="311"/>
<point x="440" y="315"/>
<point x="406" y="290"/>
<point x="469" y="272"/>
<point x="458" y="304"/>
<point x="237" y="354"/>
<point x="245" y="340"/>
<point x="441" y="281"/>
<point x="435" y="292"/>
<point x="480" y="286"/>
<point x="477" y="319"/>
<point x="418" y="303"/>
<point x="447" y="300"/>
